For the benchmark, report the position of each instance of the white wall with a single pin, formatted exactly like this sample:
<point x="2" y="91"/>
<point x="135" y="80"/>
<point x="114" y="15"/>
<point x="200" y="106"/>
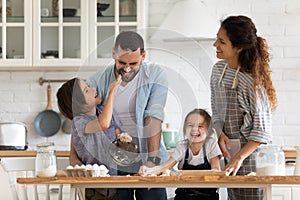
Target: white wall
<point x="277" y="20"/>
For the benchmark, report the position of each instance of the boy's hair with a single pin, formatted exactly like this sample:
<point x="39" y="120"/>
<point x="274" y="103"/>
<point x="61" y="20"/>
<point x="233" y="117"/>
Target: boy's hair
<point x="201" y="112"/>
<point x="129" y="41"/>
<point x="70" y="98"/>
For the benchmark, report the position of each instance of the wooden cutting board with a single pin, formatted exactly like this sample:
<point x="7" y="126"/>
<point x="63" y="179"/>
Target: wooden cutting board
<point x="197" y="173"/>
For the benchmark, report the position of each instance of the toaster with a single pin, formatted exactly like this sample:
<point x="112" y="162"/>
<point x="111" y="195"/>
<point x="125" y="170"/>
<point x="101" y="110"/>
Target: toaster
<point x="13" y="136"/>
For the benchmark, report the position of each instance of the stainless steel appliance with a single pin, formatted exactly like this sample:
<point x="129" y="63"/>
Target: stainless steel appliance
<point x="13" y="136"/>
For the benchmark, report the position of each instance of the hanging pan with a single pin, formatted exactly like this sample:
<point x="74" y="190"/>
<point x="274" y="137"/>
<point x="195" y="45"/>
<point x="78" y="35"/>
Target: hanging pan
<point x="47" y="123"/>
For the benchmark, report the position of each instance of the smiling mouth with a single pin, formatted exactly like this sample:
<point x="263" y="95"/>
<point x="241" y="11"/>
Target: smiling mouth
<point x="124" y="71"/>
<point x="195" y="134"/>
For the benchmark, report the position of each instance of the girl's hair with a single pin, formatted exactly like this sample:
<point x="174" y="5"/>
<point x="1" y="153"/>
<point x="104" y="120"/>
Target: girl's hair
<point x="70" y="98"/>
<point x="201" y="112"/>
<point x="254" y="57"/>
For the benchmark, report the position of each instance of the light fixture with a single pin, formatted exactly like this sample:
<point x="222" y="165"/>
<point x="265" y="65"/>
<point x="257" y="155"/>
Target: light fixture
<point x="189" y="19"/>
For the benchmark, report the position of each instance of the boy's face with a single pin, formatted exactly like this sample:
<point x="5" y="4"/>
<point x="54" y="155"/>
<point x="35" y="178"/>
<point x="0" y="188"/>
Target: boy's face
<point x="128" y="63"/>
<point x="90" y="94"/>
<point x="196" y="129"/>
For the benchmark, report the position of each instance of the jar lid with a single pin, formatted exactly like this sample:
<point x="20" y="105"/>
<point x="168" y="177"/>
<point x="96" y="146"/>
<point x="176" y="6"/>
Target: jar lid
<point x="46" y="144"/>
<point x="269" y="146"/>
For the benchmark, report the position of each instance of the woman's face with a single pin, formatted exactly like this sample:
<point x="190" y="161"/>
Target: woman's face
<point x="196" y="129"/>
<point x="90" y="94"/>
<point x="224" y="48"/>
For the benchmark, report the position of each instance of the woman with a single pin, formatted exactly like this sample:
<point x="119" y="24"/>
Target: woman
<point x="242" y="98"/>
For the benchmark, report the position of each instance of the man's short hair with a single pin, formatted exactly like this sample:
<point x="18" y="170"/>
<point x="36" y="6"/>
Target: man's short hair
<point x="129" y="41"/>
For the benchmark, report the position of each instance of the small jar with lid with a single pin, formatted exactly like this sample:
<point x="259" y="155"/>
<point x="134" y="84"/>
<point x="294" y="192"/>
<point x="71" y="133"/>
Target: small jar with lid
<point x="45" y="162"/>
<point x="270" y="160"/>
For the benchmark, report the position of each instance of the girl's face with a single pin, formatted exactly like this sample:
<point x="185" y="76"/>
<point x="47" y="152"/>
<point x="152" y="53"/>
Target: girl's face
<point x="90" y="94"/>
<point x="224" y="48"/>
<point x="196" y="129"/>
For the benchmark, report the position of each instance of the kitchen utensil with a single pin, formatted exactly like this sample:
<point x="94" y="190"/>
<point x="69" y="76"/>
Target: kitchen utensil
<point x="66" y="126"/>
<point x="170" y="137"/>
<point x="13" y="136"/>
<point x="47" y="123"/>
<point x="124" y="155"/>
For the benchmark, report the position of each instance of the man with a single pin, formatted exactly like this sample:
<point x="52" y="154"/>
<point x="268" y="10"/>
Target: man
<point x="139" y="105"/>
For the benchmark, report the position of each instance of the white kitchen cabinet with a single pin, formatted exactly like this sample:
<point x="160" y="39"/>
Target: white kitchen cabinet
<point x="15" y="33"/>
<point x="121" y="15"/>
<point x="285" y="192"/>
<point x="295" y="193"/>
<point x="39" y="34"/>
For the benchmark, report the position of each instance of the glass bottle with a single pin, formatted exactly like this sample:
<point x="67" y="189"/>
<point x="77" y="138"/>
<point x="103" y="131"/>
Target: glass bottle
<point x="45" y="161"/>
<point x="270" y="160"/>
<point x="297" y="167"/>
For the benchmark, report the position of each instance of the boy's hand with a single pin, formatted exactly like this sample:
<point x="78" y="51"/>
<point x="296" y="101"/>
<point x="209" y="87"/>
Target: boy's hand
<point x="125" y="137"/>
<point x="114" y="85"/>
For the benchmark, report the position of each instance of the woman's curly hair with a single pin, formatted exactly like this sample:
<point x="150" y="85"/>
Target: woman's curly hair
<point x="254" y="57"/>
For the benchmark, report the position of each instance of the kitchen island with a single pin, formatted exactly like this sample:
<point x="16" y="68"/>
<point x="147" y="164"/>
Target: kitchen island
<point x="189" y="181"/>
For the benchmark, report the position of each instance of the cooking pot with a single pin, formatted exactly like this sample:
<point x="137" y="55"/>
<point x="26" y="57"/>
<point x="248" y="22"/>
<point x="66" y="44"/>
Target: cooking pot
<point x="13" y="136"/>
<point x="170" y="137"/>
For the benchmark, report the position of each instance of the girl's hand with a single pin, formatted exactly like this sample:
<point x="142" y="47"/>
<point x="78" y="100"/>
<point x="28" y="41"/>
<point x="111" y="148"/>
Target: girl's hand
<point x="224" y="144"/>
<point x="144" y="170"/>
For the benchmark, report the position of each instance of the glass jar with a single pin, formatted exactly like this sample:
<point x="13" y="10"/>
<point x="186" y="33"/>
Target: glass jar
<point x="270" y="160"/>
<point x="297" y="167"/>
<point x="45" y="161"/>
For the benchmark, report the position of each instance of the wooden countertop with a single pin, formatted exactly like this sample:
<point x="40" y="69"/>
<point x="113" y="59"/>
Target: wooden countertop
<point x="158" y="181"/>
<point x="29" y="153"/>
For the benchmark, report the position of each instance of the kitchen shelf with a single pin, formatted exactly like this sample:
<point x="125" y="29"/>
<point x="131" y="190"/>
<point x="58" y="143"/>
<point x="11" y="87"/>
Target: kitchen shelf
<point x="27" y="153"/>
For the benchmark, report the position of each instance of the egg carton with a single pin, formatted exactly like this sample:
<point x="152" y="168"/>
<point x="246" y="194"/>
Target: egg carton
<point x="81" y="173"/>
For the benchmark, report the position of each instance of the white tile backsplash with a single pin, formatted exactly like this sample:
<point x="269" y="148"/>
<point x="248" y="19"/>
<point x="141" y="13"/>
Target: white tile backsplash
<point x="22" y="98"/>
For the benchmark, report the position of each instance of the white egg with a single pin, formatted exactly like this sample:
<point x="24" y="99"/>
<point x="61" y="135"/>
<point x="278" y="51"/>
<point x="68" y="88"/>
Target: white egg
<point x="89" y="167"/>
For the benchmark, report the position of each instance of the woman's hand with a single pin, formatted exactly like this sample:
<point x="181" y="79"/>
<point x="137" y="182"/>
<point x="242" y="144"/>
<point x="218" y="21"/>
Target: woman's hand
<point x="224" y="144"/>
<point x="233" y="166"/>
<point x="235" y="163"/>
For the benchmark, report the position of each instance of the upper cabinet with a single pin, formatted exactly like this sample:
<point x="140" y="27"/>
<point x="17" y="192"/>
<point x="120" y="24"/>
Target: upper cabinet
<point x="107" y="20"/>
<point x="15" y="33"/>
<point x="64" y="33"/>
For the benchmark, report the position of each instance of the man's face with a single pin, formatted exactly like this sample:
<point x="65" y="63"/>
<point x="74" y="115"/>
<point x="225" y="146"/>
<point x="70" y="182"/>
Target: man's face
<point x="128" y="63"/>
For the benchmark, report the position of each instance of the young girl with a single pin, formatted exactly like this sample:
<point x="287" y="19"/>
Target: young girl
<point x="91" y="134"/>
<point x="199" y="151"/>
